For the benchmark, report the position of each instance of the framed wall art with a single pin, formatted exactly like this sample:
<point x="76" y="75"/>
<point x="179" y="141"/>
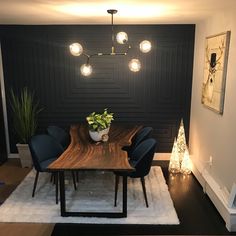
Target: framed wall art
<point x="215" y="67"/>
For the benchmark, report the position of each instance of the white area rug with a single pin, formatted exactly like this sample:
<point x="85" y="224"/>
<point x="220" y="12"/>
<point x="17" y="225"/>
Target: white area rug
<point x="95" y="192"/>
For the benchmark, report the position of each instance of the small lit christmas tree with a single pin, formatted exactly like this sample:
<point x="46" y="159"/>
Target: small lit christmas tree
<point x="174" y="165"/>
<point x="186" y="165"/>
<point x="181" y="141"/>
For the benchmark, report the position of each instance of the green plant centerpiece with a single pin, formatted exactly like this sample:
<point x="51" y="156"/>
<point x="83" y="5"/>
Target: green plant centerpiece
<point x="25" y="110"/>
<point x="99" y="125"/>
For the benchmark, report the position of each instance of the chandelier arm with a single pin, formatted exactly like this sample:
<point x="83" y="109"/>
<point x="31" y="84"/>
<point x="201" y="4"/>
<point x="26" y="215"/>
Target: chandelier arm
<point x="109" y="54"/>
<point x="112" y="53"/>
<point x="128" y="48"/>
<point x="85" y="54"/>
<point x="87" y="62"/>
<point x="97" y="54"/>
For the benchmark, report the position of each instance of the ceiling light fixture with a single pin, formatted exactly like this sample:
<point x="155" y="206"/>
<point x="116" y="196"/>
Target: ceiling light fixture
<point x="86" y="69"/>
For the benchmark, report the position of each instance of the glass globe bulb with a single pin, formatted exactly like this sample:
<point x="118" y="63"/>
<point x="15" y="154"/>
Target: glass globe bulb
<point x="122" y="38"/>
<point x="135" y="65"/>
<point x="86" y="70"/>
<point x="76" y="49"/>
<point x="145" y="46"/>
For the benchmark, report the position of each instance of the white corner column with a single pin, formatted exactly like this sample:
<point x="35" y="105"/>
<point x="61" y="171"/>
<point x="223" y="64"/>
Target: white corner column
<point x="4" y="106"/>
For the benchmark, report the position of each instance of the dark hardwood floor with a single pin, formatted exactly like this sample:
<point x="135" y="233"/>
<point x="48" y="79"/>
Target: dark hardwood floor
<point x="11" y="174"/>
<point x="196" y="213"/>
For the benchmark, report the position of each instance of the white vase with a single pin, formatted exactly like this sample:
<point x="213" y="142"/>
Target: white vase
<point x="97" y="136"/>
<point x="24" y="154"/>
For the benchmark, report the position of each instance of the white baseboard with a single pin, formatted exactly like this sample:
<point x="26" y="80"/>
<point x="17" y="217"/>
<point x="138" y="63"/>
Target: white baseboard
<point x="216" y="194"/>
<point x="13" y="155"/>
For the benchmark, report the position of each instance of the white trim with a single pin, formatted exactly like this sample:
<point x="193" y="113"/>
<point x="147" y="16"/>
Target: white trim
<point x="231" y="196"/>
<point x="13" y="155"/>
<point x="4" y="106"/>
<point x="217" y="195"/>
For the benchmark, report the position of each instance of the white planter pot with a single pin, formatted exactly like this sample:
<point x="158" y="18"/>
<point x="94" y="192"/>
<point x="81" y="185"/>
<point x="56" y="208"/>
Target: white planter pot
<point x="24" y="154"/>
<point x="97" y="136"/>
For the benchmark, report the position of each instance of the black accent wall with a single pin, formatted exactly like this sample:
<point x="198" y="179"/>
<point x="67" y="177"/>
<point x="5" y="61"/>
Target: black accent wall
<point x="159" y="95"/>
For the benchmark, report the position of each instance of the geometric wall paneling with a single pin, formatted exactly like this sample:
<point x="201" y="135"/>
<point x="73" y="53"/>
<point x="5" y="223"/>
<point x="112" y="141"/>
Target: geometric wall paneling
<point x="159" y="95"/>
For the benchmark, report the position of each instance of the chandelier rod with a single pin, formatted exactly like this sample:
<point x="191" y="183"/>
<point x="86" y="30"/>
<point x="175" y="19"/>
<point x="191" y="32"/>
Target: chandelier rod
<point x="112" y="12"/>
<point x="112" y="37"/>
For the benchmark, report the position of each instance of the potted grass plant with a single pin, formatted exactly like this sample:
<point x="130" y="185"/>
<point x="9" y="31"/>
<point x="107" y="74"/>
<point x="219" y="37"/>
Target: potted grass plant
<point x="25" y="110"/>
<point x="99" y="124"/>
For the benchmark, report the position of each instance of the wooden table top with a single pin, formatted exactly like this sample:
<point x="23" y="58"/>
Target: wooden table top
<point x="85" y="154"/>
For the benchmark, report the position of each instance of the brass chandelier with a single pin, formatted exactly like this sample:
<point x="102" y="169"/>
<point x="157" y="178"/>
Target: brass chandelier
<point x="86" y="69"/>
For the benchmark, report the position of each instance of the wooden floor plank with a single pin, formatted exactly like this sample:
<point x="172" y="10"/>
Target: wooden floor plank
<point x="25" y="229"/>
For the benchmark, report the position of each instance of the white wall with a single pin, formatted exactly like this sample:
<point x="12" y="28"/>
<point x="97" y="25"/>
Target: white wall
<point x="210" y="133"/>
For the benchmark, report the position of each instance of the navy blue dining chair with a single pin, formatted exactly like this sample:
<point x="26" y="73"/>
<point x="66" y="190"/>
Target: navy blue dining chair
<point x="63" y="138"/>
<point x="141" y="160"/>
<point x="60" y="135"/>
<point x="44" y="150"/>
<point x="141" y="135"/>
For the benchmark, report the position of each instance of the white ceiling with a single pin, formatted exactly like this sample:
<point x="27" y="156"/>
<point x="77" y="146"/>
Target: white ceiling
<point x="94" y="12"/>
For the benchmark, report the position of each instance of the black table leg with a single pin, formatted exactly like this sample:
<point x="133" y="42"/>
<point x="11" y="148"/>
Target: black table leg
<point x="56" y="180"/>
<point x="62" y="193"/>
<point x="91" y="214"/>
<point x="124" y="196"/>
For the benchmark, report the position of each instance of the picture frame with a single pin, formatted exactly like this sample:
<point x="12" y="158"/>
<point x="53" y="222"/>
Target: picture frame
<point x="215" y="70"/>
<point x="232" y="197"/>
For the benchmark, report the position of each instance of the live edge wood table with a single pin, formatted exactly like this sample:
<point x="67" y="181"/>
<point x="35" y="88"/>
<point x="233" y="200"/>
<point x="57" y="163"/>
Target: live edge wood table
<point x="84" y="154"/>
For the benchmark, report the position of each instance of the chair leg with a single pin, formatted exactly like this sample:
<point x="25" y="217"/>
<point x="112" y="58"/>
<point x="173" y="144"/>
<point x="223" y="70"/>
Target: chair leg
<point x="73" y="177"/>
<point x="77" y="176"/>
<point x="144" y="190"/>
<point x="54" y="177"/>
<point x="51" y="177"/>
<point x="35" y="183"/>
<point x="56" y="181"/>
<point x="116" y="188"/>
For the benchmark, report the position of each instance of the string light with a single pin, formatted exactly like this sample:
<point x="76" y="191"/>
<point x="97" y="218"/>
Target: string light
<point x="181" y="141"/>
<point x="186" y="165"/>
<point x="174" y="165"/>
<point x="180" y="160"/>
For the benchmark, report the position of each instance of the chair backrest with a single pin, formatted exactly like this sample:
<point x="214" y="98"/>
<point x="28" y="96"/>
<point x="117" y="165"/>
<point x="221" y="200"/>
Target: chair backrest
<point x="60" y="135"/>
<point x="142" y="158"/>
<point x="141" y="135"/>
<point x="43" y="147"/>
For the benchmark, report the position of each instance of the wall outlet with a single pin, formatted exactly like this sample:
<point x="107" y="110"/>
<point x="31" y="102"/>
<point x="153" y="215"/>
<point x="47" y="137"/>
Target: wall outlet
<point x="210" y="161"/>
